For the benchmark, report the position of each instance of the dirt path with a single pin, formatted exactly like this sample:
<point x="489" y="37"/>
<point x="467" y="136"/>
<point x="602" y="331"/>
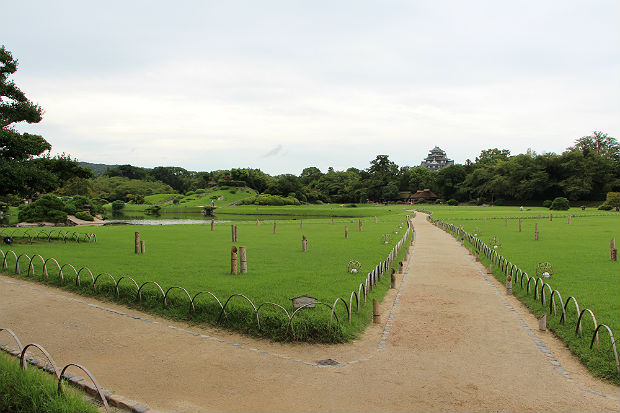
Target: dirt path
<point x="453" y="342"/>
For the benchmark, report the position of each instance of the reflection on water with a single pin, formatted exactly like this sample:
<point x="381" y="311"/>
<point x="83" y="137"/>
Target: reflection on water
<point x="138" y="218"/>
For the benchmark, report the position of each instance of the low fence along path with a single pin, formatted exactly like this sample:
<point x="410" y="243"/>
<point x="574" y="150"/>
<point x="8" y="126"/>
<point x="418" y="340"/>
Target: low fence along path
<point x="449" y="340"/>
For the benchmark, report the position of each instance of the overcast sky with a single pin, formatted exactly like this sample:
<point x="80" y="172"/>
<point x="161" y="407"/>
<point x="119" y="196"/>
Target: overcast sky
<point x="283" y="85"/>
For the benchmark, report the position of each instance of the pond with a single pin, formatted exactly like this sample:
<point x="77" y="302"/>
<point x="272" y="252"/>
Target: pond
<point x="176" y="218"/>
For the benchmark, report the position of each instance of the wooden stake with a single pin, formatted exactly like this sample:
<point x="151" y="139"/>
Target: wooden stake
<point x="376" y="317"/>
<point x="142" y="247"/>
<point x="361" y="226"/>
<point x="519" y="224"/>
<point x="392" y="279"/>
<point x="550" y="217"/>
<point x="569" y="219"/>
<point x="505" y="222"/>
<point x="542" y="323"/>
<point x="232" y="228"/>
<point x="485" y="219"/>
<point x="274" y="227"/>
<point x="509" y="285"/>
<point x="536" y="232"/>
<point x="243" y="260"/>
<point x="332" y="220"/>
<point x="346" y="232"/>
<point x="257" y="222"/>
<point x="233" y="260"/>
<point x="304" y="244"/>
<point x="212" y="225"/>
<point x="137" y="239"/>
<point x="400" y="267"/>
<point x="301" y="224"/>
<point x="376" y="220"/>
<point x="490" y="269"/>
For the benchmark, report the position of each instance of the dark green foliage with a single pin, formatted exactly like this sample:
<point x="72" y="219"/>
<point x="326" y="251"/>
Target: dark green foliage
<point x="613" y="199"/>
<point x="118" y="205"/>
<point x="452" y="202"/>
<point x="547" y="203"/>
<point x="265" y="199"/>
<point x="560" y="204"/>
<point x="47" y="208"/>
<point x="605" y="207"/>
<point x="85" y="216"/>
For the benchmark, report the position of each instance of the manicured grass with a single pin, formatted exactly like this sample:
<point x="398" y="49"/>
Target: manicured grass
<point x="196" y="258"/>
<point x="328" y="210"/>
<point x="579" y="253"/>
<point x="35" y="391"/>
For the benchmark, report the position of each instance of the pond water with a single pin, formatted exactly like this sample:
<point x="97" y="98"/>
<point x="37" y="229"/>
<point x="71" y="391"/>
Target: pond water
<point x="137" y="218"/>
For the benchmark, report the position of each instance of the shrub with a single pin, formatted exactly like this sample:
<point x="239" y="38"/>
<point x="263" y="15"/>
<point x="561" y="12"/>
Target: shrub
<point x="190" y="193"/>
<point x="440" y="201"/>
<point x="199" y="191"/>
<point x="452" y="202"/>
<point x="118" y="205"/>
<point x="232" y="191"/>
<point x="613" y="199"/>
<point x="560" y="204"/>
<point x="605" y="207"/>
<point x="47" y="208"/>
<point x="84" y="216"/>
<point x="350" y="206"/>
<point x="266" y="199"/>
<point x="547" y="203"/>
<point x="420" y="201"/>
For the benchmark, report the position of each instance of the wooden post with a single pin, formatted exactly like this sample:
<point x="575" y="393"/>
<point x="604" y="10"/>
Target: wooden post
<point x="613" y="252"/>
<point x="212" y="225"/>
<point x="376" y="317"/>
<point x="376" y="220"/>
<point x="542" y="323"/>
<point x="346" y="232"/>
<point x="519" y="224"/>
<point x="485" y="219"/>
<point x="536" y="232"/>
<point x="257" y="222"/>
<point x="274" y="227"/>
<point x="233" y="260"/>
<point x="304" y="244"/>
<point x="477" y="256"/>
<point x="490" y="269"/>
<point x="243" y="260"/>
<point x="550" y="217"/>
<point x="301" y="224"/>
<point x="400" y="267"/>
<point x="569" y="219"/>
<point x="332" y="220"/>
<point x="361" y="226"/>
<point x="137" y="239"/>
<point x="392" y="279"/>
<point x="236" y="233"/>
<point x="509" y="285"/>
<point x="142" y="247"/>
<point x="232" y="228"/>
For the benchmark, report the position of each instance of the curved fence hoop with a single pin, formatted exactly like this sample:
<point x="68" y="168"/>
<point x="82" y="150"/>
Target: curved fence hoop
<point x="179" y="288"/>
<point x="99" y="275"/>
<point x="579" y="329"/>
<point x="552" y="303"/>
<point x="121" y="279"/>
<point x="19" y="343"/>
<point x="62" y="278"/>
<point x="290" y="322"/>
<point x="613" y="343"/>
<point x="529" y="280"/>
<point x="212" y="295"/>
<point x="139" y="296"/>
<point x="357" y="301"/>
<point x="229" y="298"/>
<point x="360" y="290"/>
<point x="331" y="317"/>
<point x="31" y="265"/>
<point x="77" y="278"/>
<point x="17" y="270"/>
<point x="542" y="292"/>
<point x="563" y="319"/>
<point x="45" y="266"/>
<point x="90" y="376"/>
<point x="22" y="357"/>
<point x="273" y="305"/>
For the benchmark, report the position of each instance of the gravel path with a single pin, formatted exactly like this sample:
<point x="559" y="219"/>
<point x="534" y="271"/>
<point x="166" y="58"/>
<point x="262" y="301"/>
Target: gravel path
<point x="450" y="341"/>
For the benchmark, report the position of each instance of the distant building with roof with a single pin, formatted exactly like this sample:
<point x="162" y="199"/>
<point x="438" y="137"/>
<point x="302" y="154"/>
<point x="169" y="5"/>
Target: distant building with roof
<point x="436" y="160"/>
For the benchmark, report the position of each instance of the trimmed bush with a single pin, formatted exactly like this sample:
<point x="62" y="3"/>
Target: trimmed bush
<point x="560" y="204"/>
<point x="266" y="199"/>
<point x="118" y="205"/>
<point x="605" y="207"/>
<point x="84" y="216"/>
<point x="452" y="202"/>
<point x="547" y="203"/>
<point x="47" y="208"/>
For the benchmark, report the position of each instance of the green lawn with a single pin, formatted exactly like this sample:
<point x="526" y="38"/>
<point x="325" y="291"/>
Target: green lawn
<point x="579" y="253"/>
<point x="196" y="258"/>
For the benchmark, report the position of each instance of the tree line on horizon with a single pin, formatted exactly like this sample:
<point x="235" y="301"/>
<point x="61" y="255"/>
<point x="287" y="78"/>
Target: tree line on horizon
<point x="585" y="171"/>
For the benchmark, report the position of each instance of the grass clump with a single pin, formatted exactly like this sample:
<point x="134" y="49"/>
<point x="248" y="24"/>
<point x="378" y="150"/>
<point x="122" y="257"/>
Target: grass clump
<point x="35" y="391"/>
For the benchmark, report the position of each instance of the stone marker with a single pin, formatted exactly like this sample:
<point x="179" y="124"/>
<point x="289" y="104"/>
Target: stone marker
<point x="304" y="243"/>
<point x="142" y="247"/>
<point x="137" y="239"/>
<point x="302" y="300"/>
<point x="542" y="323"/>
<point x="376" y="317"/>
<point x="243" y="260"/>
<point x="485" y="219"/>
<point x="233" y="260"/>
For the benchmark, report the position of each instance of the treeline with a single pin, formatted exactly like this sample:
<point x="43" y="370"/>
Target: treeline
<point x="585" y="171"/>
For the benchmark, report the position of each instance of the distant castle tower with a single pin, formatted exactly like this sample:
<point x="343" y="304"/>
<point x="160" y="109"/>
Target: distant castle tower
<point x="436" y="160"/>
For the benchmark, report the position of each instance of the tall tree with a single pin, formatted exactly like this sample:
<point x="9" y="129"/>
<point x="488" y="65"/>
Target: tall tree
<point x="16" y="174"/>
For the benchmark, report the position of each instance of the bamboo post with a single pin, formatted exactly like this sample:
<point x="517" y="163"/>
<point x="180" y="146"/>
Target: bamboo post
<point x="236" y="233"/>
<point x="613" y="252"/>
<point x="346" y="232"/>
<point x="243" y="260"/>
<point x="232" y="228"/>
<point x="569" y="219"/>
<point x="361" y="226"/>
<point x="392" y="279"/>
<point x="233" y="260"/>
<point x="137" y="240"/>
<point x="304" y="244"/>
<point x="550" y="217"/>
<point x="519" y="224"/>
<point x="142" y="247"/>
<point x="376" y="317"/>
<point x="212" y="225"/>
<point x="274" y="227"/>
